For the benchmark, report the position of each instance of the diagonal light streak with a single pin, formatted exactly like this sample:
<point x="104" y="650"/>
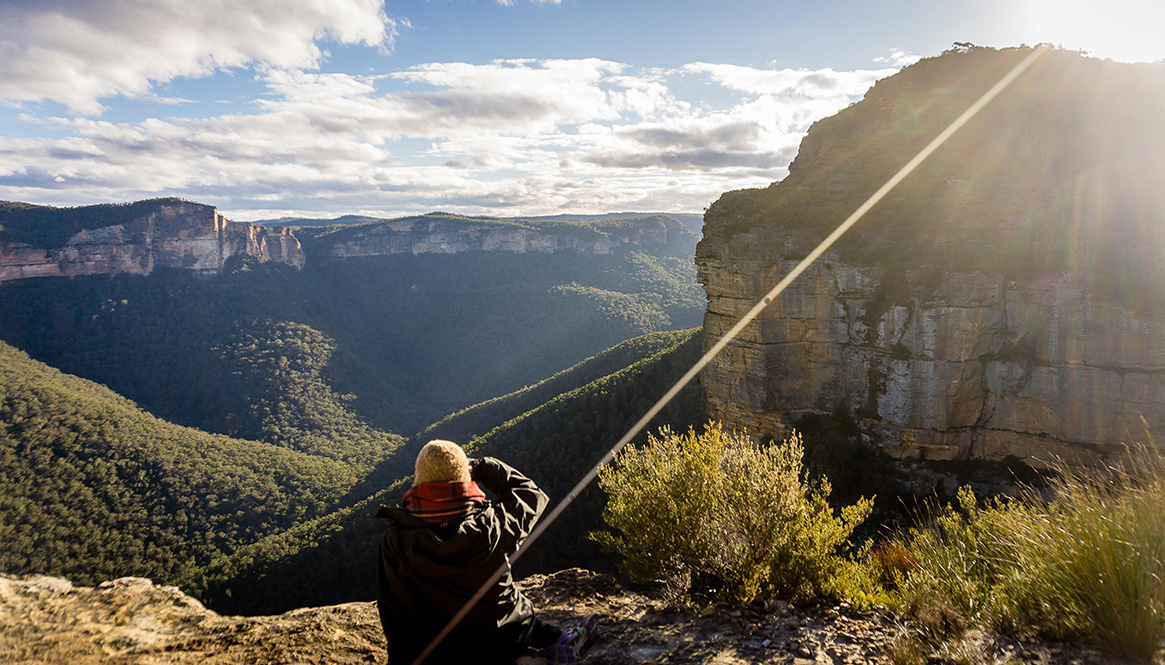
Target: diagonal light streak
<point x="732" y="334"/>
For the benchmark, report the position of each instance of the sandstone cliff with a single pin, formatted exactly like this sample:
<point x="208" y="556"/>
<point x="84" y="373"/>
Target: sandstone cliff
<point x="133" y="239"/>
<point x="1007" y="299"/>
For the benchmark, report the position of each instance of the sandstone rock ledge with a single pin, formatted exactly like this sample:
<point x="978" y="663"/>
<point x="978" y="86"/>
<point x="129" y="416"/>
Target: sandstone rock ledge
<point x="130" y="620"/>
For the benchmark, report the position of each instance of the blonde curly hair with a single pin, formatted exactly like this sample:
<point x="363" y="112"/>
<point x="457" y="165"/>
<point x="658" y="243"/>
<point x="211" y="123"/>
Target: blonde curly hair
<point x="441" y="461"/>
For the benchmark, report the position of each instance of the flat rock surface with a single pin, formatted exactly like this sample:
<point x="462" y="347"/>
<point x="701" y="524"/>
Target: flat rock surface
<point x="130" y="620"/>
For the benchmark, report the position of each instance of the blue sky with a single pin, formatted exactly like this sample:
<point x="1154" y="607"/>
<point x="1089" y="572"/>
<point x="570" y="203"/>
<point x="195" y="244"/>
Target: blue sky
<point x="269" y="108"/>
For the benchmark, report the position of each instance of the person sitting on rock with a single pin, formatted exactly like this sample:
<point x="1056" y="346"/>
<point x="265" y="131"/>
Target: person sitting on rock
<point x="444" y="543"/>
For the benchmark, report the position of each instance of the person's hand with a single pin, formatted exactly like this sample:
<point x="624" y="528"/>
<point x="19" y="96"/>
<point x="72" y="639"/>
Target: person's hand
<point x="487" y="472"/>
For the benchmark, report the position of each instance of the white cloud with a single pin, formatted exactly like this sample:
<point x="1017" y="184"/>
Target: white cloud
<point x="78" y="52"/>
<point x="512" y="95"/>
<point x="507" y="137"/>
<point x="898" y="59"/>
<point x="808" y="84"/>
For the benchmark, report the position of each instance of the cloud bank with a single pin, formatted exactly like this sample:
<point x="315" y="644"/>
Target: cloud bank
<point x="517" y="136"/>
<point x="76" y="52"/>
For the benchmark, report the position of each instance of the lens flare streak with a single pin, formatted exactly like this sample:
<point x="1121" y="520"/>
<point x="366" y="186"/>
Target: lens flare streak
<point x="732" y="334"/>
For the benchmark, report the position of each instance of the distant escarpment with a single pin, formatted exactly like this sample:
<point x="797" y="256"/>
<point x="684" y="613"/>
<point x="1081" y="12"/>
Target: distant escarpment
<point x="40" y="241"/>
<point x="440" y="233"/>
<point x="136" y="238"/>
<point x="1007" y="299"/>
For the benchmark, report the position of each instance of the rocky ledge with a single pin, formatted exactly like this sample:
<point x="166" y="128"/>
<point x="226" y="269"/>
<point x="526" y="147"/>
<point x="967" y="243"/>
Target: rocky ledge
<point x="131" y="620"/>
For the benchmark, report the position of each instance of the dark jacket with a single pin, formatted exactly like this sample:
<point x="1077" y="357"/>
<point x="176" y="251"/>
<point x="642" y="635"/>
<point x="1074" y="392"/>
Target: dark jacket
<point x="428" y="572"/>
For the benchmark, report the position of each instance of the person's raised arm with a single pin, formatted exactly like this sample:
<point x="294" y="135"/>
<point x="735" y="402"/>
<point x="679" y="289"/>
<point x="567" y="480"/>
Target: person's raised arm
<point x="519" y="499"/>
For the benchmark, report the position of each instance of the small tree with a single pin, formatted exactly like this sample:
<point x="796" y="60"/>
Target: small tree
<point x="716" y="512"/>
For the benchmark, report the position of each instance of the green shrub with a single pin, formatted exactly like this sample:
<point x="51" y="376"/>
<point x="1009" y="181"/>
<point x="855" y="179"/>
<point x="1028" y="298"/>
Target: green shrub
<point x="1088" y="563"/>
<point x="714" y="512"/>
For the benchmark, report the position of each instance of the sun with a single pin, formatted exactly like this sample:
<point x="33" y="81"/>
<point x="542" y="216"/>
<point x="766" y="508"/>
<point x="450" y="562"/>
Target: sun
<point x="1125" y="30"/>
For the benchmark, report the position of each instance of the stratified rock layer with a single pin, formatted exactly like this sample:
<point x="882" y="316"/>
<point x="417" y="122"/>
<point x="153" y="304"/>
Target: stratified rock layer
<point x="137" y="238"/>
<point x="1005" y="300"/>
<point x="171" y="234"/>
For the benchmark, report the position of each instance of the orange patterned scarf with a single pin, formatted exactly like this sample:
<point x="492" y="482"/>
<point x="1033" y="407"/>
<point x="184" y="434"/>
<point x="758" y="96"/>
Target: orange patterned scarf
<point x="444" y="502"/>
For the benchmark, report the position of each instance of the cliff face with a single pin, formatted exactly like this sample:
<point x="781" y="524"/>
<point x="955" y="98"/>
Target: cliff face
<point x="173" y="234"/>
<point x="440" y="234"/>
<point x="1005" y="300"/>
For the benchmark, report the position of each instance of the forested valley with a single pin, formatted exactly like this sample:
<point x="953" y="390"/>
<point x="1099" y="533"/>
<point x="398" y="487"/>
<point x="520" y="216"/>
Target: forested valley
<point x="234" y="434"/>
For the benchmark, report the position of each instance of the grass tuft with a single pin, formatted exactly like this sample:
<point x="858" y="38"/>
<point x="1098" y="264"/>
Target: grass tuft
<point x="1088" y="562"/>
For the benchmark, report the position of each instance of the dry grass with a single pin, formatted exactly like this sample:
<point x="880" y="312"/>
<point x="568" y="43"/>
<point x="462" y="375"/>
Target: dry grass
<point x="1089" y="563"/>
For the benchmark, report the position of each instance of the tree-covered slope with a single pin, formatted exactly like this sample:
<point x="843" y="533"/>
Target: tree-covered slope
<point x="94" y="488"/>
<point x="331" y="559"/>
<point x="457" y="330"/>
<point x="479" y="419"/>
<point x="559" y="441"/>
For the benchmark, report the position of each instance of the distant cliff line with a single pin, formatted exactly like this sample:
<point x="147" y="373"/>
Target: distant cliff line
<point x="40" y="241"/>
<point x="440" y="233"/>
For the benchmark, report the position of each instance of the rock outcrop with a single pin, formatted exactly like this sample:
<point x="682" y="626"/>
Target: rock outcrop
<point x="1005" y="300"/>
<point x="165" y="233"/>
<point x="130" y="621"/>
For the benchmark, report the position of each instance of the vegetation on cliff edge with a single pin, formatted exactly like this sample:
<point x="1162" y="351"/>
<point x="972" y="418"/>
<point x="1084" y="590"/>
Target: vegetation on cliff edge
<point x="1060" y="173"/>
<point x="715" y="514"/>
<point x="1087" y="563"/>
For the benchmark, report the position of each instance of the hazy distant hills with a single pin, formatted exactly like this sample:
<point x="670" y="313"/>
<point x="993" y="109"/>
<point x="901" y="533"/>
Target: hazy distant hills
<point x="693" y="221"/>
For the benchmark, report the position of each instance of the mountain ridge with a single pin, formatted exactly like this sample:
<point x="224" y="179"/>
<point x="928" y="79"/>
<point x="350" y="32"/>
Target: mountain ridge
<point x="136" y="238"/>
